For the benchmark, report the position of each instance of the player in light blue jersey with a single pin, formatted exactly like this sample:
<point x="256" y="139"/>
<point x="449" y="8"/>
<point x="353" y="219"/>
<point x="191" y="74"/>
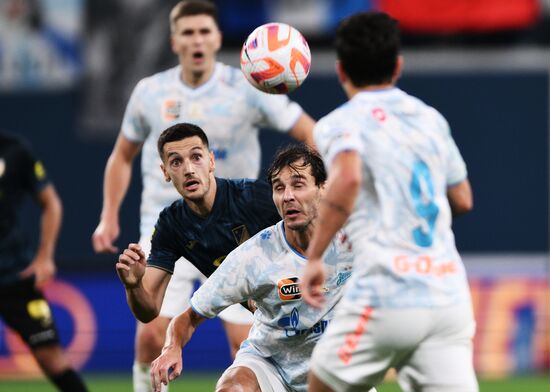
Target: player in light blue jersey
<point x="215" y="97"/>
<point x="275" y="356"/>
<point x="395" y="176"/>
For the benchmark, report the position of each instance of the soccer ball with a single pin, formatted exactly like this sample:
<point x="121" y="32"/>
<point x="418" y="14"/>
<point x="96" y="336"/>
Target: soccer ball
<point x="275" y="58"/>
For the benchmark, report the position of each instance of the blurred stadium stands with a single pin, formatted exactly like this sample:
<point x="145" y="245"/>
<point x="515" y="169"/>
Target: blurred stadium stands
<point x="67" y="68"/>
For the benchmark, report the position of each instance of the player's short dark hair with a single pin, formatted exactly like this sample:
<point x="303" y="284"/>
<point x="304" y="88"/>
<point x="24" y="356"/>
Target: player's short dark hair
<point x="192" y="8"/>
<point x="367" y="45"/>
<point x="298" y="156"/>
<point x="179" y="132"/>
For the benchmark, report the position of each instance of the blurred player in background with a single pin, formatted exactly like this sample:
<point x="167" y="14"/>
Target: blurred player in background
<point x="275" y="356"/>
<point x="212" y="217"/>
<point x="397" y="174"/>
<point x="220" y="100"/>
<point x="22" y="274"/>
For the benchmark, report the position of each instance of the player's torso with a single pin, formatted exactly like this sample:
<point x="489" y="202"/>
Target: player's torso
<point x="286" y="329"/>
<point x="401" y="224"/>
<point x="220" y="107"/>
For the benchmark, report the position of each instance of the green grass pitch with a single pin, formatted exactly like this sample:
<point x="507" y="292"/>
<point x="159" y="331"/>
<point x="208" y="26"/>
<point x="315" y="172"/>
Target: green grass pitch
<point x="205" y="383"/>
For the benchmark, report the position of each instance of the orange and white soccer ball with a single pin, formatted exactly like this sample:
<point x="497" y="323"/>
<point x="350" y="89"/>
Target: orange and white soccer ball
<point x="275" y="58"/>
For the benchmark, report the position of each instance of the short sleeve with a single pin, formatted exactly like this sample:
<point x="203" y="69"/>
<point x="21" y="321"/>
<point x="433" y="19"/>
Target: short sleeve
<point x="134" y="123"/>
<point x="335" y="136"/>
<point x="456" y="167"/>
<point x="163" y="254"/>
<point x="230" y="284"/>
<point x="277" y="111"/>
<point x="34" y="176"/>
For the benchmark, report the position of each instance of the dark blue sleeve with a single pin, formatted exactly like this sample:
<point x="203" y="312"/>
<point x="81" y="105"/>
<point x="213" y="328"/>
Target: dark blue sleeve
<point x="163" y="252"/>
<point x="34" y="177"/>
<point x="262" y="203"/>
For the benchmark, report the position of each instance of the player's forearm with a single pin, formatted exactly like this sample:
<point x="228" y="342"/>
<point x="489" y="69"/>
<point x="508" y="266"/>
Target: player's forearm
<point x="181" y="328"/>
<point x="142" y="303"/>
<point x="302" y="130"/>
<point x="337" y="204"/>
<point x="118" y="173"/>
<point x="50" y="222"/>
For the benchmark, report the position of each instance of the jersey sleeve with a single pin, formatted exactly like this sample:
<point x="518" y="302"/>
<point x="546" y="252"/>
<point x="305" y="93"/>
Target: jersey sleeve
<point x="262" y="202"/>
<point x="456" y="167"/>
<point x="277" y="112"/>
<point x="163" y="254"/>
<point x="134" y="123"/>
<point x="333" y="136"/>
<point x="34" y="176"/>
<point x="230" y="284"/>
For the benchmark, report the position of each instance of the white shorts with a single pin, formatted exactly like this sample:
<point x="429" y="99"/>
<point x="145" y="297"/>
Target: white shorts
<point x="431" y="349"/>
<point x="181" y="287"/>
<point x="268" y="377"/>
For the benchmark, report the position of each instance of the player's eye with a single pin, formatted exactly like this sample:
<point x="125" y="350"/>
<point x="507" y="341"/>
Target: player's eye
<point x="196" y="157"/>
<point x="175" y="162"/>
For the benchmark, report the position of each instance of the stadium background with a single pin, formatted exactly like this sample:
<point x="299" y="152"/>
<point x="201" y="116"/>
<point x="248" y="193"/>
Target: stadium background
<point x="67" y="68"/>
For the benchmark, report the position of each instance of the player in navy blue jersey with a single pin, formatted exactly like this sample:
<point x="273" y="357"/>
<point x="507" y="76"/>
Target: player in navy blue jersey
<point x="213" y="217"/>
<point x="22" y="272"/>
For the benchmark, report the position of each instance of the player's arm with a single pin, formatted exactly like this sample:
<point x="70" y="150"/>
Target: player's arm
<point x="145" y="287"/>
<point x="169" y="364"/>
<point x="43" y="265"/>
<point x="460" y="197"/>
<point x="302" y="129"/>
<point x="118" y="173"/>
<point x="336" y="206"/>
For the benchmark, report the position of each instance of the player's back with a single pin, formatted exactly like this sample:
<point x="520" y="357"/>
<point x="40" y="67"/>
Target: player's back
<point x="402" y="218"/>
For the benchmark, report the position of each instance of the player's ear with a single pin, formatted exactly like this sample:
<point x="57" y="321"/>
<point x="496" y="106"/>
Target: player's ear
<point x="166" y="176"/>
<point x="398" y="68"/>
<point x="219" y="40"/>
<point x="342" y="76"/>
<point x="212" y="161"/>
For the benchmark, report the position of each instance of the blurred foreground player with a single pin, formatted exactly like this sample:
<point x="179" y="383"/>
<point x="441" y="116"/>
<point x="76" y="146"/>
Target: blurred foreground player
<point x="22" y="304"/>
<point x="397" y="174"/>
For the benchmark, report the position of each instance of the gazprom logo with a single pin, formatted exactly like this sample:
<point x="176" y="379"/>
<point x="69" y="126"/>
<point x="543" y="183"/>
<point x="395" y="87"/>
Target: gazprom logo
<point x="289" y="290"/>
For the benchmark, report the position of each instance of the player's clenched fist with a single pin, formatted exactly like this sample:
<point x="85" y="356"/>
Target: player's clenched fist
<point x="131" y="265"/>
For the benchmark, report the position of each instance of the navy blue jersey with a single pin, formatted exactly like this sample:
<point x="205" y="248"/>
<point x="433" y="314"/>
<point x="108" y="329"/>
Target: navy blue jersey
<point x="241" y="209"/>
<point x="21" y="174"/>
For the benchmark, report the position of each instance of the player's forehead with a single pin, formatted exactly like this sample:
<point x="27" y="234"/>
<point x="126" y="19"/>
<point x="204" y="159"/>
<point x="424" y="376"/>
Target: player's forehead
<point x="195" y="23"/>
<point x="293" y="172"/>
<point x="185" y="146"/>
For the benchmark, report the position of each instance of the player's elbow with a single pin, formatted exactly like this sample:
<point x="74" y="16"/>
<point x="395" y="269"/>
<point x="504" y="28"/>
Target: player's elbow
<point x="462" y="206"/>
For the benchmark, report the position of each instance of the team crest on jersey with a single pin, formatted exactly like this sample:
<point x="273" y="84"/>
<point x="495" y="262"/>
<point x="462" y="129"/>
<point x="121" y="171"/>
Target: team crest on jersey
<point x="171" y="109"/>
<point x="240" y="234"/>
<point x="2" y="167"/>
<point x="289" y="290"/>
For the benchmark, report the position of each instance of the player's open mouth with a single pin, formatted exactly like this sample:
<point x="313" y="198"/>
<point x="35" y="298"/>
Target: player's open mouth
<point x="291" y="213"/>
<point x="191" y="185"/>
<point x="198" y="55"/>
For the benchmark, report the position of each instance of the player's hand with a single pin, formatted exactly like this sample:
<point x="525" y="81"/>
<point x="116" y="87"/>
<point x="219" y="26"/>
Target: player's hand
<point x="131" y="265"/>
<point x="43" y="269"/>
<point x="167" y="367"/>
<point x="312" y="282"/>
<point x="106" y="232"/>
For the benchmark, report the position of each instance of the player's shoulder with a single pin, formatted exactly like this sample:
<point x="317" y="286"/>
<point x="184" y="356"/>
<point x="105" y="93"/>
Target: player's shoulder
<point x="172" y="213"/>
<point x="14" y="142"/>
<point x="242" y="187"/>
<point x="158" y="80"/>
<point x="232" y="76"/>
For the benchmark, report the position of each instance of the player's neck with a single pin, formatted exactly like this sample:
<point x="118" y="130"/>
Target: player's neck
<point x="299" y="239"/>
<point x="196" y="79"/>
<point x="203" y="207"/>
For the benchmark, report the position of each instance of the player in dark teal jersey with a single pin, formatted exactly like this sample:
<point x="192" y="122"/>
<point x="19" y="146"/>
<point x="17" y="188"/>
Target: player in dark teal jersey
<point x="213" y="217"/>
<point x="22" y="272"/>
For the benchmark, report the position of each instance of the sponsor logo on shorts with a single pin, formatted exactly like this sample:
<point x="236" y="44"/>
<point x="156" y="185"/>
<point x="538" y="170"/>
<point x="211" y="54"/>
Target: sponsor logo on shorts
<point x="342" y="277"/>
<point x="289" y="290"/>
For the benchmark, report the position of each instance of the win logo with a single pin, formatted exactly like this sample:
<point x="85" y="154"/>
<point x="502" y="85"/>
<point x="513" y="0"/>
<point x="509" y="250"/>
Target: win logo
<point x="289" y="289"/>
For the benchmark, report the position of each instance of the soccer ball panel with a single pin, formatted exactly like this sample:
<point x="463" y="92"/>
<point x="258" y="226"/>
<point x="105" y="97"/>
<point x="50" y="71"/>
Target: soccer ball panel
<point x="275" y="58"/>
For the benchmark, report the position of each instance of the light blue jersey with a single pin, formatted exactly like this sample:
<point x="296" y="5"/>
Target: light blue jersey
<point x="266" y="269"/>
<point x="226" y="107"/>
<point x="401" y="224"/>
